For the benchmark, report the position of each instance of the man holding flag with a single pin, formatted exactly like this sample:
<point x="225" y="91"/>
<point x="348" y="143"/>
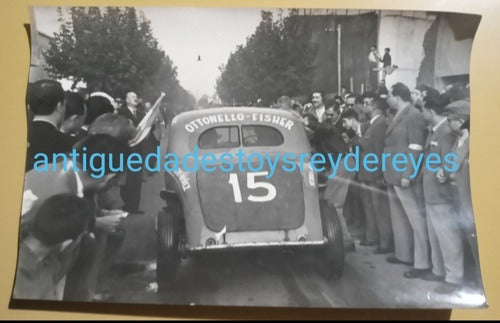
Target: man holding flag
<point x="131" y="191"/>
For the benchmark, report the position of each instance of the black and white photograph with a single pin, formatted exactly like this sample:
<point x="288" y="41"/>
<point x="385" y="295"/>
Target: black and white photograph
<point x="249" y="157"/>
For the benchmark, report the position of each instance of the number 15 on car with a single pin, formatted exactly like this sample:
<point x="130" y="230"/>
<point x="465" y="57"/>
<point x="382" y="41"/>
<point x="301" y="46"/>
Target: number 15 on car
<point x="252" y="184"/>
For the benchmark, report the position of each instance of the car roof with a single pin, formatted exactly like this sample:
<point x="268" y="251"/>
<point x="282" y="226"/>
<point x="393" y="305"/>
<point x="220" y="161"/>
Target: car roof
<point x="193" y="114"/>
<point x="188" y="126"/>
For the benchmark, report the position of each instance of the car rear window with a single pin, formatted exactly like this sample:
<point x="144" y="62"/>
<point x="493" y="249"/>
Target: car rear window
<point x="257" y="135"/>
<point x="219" y="137"/>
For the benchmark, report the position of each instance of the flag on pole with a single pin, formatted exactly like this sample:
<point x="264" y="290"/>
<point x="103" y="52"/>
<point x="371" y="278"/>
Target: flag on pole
<point x="144" y="127"/>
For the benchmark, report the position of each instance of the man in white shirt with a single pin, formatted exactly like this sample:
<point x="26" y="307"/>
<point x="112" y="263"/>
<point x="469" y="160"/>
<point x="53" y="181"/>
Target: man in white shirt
<point x="373" y="61"/>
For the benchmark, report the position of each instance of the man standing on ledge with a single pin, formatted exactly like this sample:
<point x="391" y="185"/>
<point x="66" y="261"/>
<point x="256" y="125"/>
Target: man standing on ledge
<point x="406" y="135"/>
<point x="373" y="61"/>
<point x="131" y="191"/>
<point x="387" y="63"/>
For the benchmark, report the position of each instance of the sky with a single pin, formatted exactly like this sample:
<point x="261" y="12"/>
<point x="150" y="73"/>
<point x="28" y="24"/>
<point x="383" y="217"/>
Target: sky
<point x="185" y="33"/>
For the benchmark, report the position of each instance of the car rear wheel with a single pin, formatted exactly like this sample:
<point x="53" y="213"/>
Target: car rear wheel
<point x="333" y="252"/>
<point x="168" y="237"/>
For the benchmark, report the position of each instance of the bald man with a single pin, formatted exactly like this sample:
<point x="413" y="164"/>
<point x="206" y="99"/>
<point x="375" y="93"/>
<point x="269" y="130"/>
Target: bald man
<point x="131" y="191"/>
<point x="130" y="111"/>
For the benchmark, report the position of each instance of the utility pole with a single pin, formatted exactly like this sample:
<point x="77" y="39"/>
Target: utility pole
<point x="339" y="86"/>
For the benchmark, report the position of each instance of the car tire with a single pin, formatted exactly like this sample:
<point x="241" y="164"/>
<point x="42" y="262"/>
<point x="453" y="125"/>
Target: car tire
<point x="333" y="251"/>
<point x="168" y="256"/>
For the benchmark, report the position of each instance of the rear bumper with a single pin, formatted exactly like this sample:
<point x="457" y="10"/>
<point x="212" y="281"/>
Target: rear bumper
<point x="257" y="245"/>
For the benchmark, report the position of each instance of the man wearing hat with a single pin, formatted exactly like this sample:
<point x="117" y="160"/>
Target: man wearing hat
<point x="444" y="230"/>
<point x="458" y="115"/>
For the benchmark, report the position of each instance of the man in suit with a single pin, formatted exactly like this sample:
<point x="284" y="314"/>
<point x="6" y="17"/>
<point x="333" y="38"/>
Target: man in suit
<point x="327" y="129"/>
<point x="131" y="191"/>
<point x="353" y="207"/>
<point x="406" y="135"/>
<point x="355" y="101"/>
<point x="326" y="126"/>
<point x="131" y="110"/>
<point x="375" y="201"/>
<point x="47" y="102"/>
<point x="444" y="230"/>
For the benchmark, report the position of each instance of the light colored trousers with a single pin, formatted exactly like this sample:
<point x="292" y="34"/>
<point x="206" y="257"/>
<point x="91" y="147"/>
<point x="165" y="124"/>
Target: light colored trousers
<point x="336" y="193"/>
<point x="378" y="218"/>
<point x="409" y="225"/>
<point x="447" y="250"/>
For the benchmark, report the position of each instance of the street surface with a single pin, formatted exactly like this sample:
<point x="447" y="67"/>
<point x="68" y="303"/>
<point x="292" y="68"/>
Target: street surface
<point x="262" y="278"/>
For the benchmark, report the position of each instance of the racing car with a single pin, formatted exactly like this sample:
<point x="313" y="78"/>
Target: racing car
<point x="217" y="210"/>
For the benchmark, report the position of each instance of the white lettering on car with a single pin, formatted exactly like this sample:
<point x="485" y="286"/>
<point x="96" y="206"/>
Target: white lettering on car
<point x="195" y="124"/>
<point x="183" y="179"/>
<point x="289" y="124"/>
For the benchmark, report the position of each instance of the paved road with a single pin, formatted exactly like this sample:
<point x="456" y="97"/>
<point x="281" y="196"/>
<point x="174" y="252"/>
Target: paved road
<point x="262" y="279"/>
